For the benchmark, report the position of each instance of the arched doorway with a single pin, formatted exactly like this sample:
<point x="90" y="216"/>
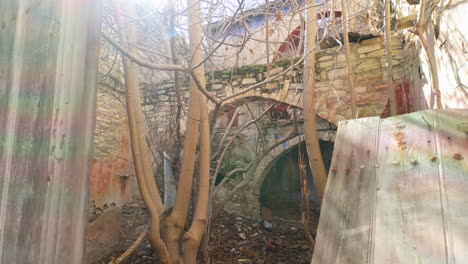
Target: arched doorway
<point x="280" y="192"/>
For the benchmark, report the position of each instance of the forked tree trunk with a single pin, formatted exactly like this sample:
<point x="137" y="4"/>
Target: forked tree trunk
<point x="140" y="151"/>
<point x="175" y="222"/>
<point x="310" y="127"/>
<point x="172" y="248"/>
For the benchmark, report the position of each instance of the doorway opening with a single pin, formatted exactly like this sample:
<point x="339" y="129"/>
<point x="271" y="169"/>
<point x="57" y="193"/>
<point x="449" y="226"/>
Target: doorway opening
<point x="280" y="192"/>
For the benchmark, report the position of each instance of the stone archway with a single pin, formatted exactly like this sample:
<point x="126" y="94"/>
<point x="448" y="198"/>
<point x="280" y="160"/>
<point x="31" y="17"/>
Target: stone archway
<point x="246" y="202"/>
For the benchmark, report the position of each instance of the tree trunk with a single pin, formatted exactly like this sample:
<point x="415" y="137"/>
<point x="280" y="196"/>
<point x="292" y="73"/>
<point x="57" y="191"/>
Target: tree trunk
<point x="175" y="222"/>
<point x="388" y="54"/>
<point x="352" y="91"/>
<point x="192" y="238"/>
<point x="140" y="151"/>
<point x="310" y="127"/>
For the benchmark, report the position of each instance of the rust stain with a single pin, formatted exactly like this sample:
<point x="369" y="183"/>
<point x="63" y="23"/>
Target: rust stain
<point x="457" y="156"/>
<point x="106" y="185"/>
<point x="399" y="138"/>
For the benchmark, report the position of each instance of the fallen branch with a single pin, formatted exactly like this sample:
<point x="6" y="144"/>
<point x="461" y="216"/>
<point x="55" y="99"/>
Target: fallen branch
<point x="132" y="248"/>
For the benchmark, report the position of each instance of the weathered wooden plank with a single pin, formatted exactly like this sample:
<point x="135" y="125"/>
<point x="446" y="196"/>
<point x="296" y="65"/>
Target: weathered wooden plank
<point x="344" y="227"/>
<point x="408" y="225"/>
<point x="452" y="145"/>
<point x="48" y="69"/>
<point x="416" y="207"/>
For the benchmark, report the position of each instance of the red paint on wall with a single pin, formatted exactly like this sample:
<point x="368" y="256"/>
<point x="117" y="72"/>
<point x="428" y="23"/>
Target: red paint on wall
<point x="291" y="43"/>
<point x="293" y="40"/>
<point x="280" y="112"/>
<point x="403" y="95"/>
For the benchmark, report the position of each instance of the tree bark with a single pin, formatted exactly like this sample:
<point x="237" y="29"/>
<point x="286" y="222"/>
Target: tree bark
<point x="192" y="238"/>
<point x="140" y="152"/>
<point x="175" y="222"/>
<point x="388" y="54"/>
<point x="310" y="127"/>
<point x="352" y="91"/>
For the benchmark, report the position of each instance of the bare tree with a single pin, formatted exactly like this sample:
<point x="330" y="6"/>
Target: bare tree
<point x="168" y="224"/>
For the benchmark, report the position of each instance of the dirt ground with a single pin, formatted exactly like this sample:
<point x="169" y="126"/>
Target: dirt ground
<point x="285" y="243"/>
<point x="235" y="239"/>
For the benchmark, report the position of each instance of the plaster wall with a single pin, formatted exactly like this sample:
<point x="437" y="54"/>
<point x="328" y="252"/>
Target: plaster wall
<point x="446" y="33"/>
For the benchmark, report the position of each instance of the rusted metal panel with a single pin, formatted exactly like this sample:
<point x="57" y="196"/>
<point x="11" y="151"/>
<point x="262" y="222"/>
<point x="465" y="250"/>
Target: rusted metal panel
<point x="48" y="67"/>
<point x="396" y="191"/>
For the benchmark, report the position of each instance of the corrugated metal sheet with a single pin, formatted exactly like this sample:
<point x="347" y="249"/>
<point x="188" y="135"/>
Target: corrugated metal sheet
<point x="48" y="64"/>
<point x="397" y="191"/>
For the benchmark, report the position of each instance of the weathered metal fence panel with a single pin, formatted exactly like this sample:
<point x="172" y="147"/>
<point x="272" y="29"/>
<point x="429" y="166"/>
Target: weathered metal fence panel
<point x="396" y="191"/>
<point x="48" y="69"/>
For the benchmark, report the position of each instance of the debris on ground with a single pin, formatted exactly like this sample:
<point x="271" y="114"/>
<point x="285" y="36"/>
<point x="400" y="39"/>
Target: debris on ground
<point x="236" y="239"/>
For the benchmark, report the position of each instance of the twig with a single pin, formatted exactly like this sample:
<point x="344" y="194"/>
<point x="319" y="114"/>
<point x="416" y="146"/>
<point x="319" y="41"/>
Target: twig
<point x="147" y="64"/>
<point x="305" y="205"/>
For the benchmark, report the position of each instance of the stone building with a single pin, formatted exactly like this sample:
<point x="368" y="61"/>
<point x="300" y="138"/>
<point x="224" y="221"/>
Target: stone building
<point x="117" y="214"/>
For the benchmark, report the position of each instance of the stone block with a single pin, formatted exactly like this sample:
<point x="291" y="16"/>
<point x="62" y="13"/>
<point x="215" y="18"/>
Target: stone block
<point x="216" y="87"/>
<point x="103" y="235"/>
<point x="323" y="75"/>
<point x="368" y="65"/>
<point x="376" y="54"/>
<point x="370" y="41"/>
<point x="336" y="74"/>
<point x="397" y="42"/>
<point x="249" y="81"/>
<point x="340" y="58"/>
<point x="327" y="64"/>
<point x="396" y="52"/>
<point x="360" y="89"/>
<point x="161" y="91"/>
<point x="325" y="58"/>
<point x="163" y="98"/>
<point x="275" y="71"/>
<point x="369" y="48"/>
<point x="383" y="62"/>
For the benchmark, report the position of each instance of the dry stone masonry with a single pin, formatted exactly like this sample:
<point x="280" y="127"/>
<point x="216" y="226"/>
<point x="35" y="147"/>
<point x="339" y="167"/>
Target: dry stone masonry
<point x="332" y="91"/>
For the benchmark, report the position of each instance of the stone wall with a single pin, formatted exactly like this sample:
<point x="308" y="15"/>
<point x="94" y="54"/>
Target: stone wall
<point x="333" y="101"/>
<point x="112" y="177"/>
